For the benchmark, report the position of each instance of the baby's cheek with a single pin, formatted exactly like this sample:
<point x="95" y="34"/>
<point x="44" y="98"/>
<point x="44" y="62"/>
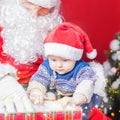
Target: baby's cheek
<point x="53" y="67"/>
<point x="68" y="68"/>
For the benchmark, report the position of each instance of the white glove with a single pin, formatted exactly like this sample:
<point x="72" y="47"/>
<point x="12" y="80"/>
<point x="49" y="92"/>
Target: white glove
<point x="13" y="97"/>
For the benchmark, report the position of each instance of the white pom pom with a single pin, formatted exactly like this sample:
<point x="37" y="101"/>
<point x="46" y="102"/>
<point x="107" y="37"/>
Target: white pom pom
<point x="113" y="70"/>
<point x="107" y="67"/>
<point x="114" y="45"/>
<point x="105" y="99"/>
<point x="114" y="57"/>
<point x="115" y="85"/>
<point x="118" y="55"/>
<point x="118" y="80"/>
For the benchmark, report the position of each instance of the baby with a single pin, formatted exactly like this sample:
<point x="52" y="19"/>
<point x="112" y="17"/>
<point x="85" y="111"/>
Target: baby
<point x="63" y="72"/>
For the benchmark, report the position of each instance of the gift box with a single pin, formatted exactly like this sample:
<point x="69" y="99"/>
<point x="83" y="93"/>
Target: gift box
<point x="59" y="115"/>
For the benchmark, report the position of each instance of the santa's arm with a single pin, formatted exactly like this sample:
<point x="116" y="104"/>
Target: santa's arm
<point x="38" y="85"/>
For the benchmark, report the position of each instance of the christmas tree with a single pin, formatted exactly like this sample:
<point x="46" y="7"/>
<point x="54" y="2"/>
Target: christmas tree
<point x="112" y="73"/>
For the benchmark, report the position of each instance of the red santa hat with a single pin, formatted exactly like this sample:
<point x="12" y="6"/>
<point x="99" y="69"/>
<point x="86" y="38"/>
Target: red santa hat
<point x="44" y="3"/>
<point x="67" y="40"/>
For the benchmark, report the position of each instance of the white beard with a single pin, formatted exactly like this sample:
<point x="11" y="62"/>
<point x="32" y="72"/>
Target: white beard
<point x="23" y="34"/>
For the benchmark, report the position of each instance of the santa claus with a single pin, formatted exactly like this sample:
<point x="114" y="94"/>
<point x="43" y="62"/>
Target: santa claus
<point x="23" y="27"/>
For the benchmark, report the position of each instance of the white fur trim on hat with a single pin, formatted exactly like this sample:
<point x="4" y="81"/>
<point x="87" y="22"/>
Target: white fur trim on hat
<point x="63" y="50"/>
<point x="71" y="41"/>
<point x="45" y="3"/>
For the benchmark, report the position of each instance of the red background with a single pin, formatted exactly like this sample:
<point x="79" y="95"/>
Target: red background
<point x="99" y="18"/>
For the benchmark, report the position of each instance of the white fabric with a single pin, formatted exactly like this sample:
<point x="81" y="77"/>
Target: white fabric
<point x="100" y="83"/>
<point x="56" y="106"/>
<point x="13" y="97"/>
<point x="45" y="3"/>
<point x="63" y="50"/>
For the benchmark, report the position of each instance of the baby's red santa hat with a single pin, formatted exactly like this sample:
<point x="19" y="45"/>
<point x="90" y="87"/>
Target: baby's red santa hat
<point x="44" y="3"/>
<point x="68" y="40"/>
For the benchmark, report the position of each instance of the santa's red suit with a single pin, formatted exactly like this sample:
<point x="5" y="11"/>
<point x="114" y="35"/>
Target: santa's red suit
<point x="24" y="25"/>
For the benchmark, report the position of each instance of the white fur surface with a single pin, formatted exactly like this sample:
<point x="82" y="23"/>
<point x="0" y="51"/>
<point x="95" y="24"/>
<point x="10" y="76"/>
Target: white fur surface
<point x="54" y="106"/>
<point x="100" y="84"/>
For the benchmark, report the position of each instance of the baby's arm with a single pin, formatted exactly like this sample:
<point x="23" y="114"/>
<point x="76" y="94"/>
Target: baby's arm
<point x="36" y="92"/>
<point x="38" y="85"/>
<point x="83" y="92"/>
<point x="85" y="86"/>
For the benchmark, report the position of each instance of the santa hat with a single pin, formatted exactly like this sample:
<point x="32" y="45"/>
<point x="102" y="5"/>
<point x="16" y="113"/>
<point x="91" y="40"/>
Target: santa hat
<point x="44" y="3"/>
<point x="67" y="40"/>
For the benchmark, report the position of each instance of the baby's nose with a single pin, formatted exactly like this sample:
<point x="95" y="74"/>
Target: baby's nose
<point x="59" y="64"/>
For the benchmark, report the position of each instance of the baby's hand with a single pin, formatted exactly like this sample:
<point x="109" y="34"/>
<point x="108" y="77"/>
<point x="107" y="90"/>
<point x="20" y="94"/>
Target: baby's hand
<point x="65" y="101"/>
<point x="79" y="99"/>
<point x="50" y="96"/>
<point x="36" y="96"/>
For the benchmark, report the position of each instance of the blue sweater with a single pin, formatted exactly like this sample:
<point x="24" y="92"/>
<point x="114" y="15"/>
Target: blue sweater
<point x="65" y="83"/>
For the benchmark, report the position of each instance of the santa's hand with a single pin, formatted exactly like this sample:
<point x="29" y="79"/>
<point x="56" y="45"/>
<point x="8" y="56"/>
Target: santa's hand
<point x="78" y="99"/>
<point x="36" y="96"/>
<point x="13" y="96"/>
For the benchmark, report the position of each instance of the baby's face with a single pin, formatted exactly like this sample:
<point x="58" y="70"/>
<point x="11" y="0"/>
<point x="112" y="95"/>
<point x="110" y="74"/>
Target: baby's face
<point x="61" y="65"/>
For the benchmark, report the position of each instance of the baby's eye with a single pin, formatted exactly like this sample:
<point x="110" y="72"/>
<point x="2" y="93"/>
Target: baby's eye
<point x="53" y="60"/>
<point x="65" y="60"/>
